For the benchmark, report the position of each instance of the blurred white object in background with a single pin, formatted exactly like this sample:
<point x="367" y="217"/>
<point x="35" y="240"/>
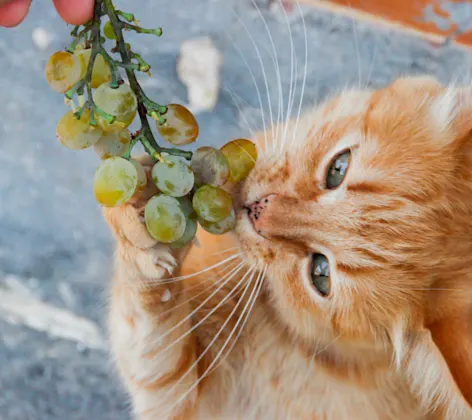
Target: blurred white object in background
<point x="198" y="67"/>
<point x="41" y="38"/>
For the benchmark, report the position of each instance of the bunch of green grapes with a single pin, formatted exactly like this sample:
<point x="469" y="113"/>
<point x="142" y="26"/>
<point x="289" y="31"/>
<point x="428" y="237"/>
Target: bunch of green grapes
<point x="191" y="188"/>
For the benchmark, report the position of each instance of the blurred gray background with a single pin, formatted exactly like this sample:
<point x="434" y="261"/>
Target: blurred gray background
<point x="54" y="247"/>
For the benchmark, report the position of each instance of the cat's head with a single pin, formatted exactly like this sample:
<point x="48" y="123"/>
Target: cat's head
<point x="362" y="214"/>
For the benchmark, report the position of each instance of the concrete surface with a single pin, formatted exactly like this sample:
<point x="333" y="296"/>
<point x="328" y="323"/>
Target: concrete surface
<point x="54" y="247"/>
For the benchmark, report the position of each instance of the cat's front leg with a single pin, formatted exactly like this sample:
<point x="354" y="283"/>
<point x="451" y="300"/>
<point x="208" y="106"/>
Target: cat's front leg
<point x="149" y="323"/>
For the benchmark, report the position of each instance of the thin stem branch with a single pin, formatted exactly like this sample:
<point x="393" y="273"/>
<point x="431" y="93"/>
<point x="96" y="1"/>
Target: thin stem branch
<point x="145" y="105"/>
<point x="92" y="37"/>
<point x="115" y="77"/>
<point x="93" y="27"/>
<point x="139" y="30"/>
<point x="127" y="16"/>
<point x="143" y="66"/>
<point x="79" y="36"/>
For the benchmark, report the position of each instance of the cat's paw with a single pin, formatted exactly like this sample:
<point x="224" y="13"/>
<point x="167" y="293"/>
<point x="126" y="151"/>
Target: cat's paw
<point x="135" y="244"/>
<point x="127" y="221"/>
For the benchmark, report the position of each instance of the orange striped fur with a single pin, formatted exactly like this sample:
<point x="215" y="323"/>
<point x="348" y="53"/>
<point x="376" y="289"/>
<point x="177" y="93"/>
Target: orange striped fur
<point x="393" y="340"/>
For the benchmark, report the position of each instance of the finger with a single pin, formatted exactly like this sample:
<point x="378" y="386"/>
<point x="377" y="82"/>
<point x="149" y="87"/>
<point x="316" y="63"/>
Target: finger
<point x="12" y="13"/>
<point x="75" y="12"/>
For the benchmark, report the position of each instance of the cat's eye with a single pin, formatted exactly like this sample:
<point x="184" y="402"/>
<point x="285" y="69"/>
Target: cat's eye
<point x="337" y="170"/>
<point x="320" y="274"/>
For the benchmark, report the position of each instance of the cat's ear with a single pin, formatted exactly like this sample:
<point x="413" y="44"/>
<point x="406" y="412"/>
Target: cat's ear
<point x="439" y="365"/>
<point x="451" y="110"/>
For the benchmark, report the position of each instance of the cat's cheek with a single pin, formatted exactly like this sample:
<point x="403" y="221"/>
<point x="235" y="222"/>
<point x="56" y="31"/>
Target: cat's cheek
<point x="248" y="240"/>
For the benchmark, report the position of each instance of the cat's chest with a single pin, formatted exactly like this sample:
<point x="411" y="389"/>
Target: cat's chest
<point x="270" y="379"/>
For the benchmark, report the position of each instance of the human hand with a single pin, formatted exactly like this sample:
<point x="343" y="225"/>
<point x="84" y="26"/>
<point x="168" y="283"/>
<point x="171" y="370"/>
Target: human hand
<point x="75" y="12"/>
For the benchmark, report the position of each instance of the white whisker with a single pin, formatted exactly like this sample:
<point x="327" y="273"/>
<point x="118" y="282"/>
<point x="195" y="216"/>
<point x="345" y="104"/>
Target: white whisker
<point x="264" y="75"/>
<point x="258" y="92"/>
<point x="214" y="339"/>
<point x="275" y="60"/>
<point x="358" y="55"/>
<point x="233" y="94"/>
<point x="189" y="276"/>
<point x="192" y="313"/>
<point x="291" y="94"/>
<point x="261" y="277"/>
<point x="187" y="289"/>
<point x="374" y="58"/>
<point x="305" y="71"/>
<point x="224" y="251"/>
<point x="318" y="352"/>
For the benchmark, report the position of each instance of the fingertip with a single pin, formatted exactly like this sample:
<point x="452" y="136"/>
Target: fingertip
<point x="12" y="14"/>
<point x="75" y="12"/>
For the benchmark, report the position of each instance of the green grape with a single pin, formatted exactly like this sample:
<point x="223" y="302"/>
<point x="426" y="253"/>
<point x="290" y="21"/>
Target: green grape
<point x="219" y="228"/>
<point x="115" y="181"/>
<point x="142" y="178"/>
<point x="164" y="218"/>
<point x="212" y="204"/>
<point x="108" y="31"/>
<point x="186" y="206"/>
<point x="242" y="156"/>
<point x="189" y="234"/>
<point x="210" y="166"/>
<point x="77" y="134"/>
<point x="101" y="72"/>
<point x="63" y="71"/>
<point x="174" y="178"/>
<point x="180" y="127"/>
<point x="120" y="102"/>
<point x="113" y="143"/>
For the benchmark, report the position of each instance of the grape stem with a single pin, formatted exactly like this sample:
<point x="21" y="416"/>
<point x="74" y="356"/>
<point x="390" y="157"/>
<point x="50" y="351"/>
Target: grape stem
<point x="78" y="36"/>
<point x="145" y="105"/>
<point x="139" y="30"/>
<point x="86" y="82"/>
<point x="92" y="35"/>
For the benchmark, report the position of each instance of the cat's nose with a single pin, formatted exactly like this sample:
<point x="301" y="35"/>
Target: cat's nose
<point x="256" y="210"/>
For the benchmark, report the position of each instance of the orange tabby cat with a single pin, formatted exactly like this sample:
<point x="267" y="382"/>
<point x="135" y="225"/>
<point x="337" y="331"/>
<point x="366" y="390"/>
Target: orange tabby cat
<point x="355" y="235"/>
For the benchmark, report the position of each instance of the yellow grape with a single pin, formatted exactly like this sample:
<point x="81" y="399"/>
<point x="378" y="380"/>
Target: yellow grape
<point x="108" y="31"/>
<point x="113" y="143"/>
<point x="63" y="71"/>
<point x="164" y="218"/>
<point x="212" y="204"/>
<point x="77" y="134"/>
<point x="115" y="182"/>
<point x="210" y="166"/>
<point x="242" y="156"/>
<point x="221" y="227"/>
<point x="101" y="70"/>
<point x="180" y="127"/>
<point x="120" y="102"/>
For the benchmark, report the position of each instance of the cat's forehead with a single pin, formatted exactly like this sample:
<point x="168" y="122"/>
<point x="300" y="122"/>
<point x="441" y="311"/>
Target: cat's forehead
<point x="322" y="133"/>
<point x="412" y="114"/>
